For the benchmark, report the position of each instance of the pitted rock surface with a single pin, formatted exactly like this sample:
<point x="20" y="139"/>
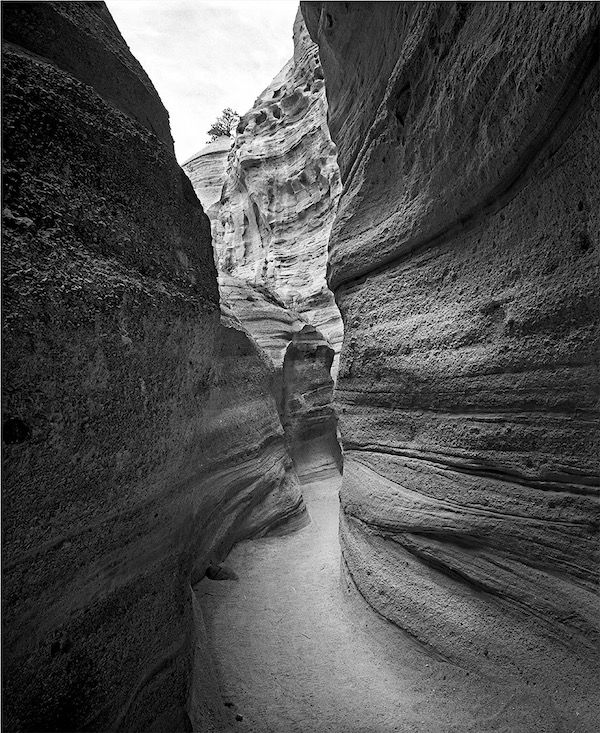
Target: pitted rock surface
<point x="464" y="259"/>
<point x="141" y="436"/>
<point x="280" y="192"/>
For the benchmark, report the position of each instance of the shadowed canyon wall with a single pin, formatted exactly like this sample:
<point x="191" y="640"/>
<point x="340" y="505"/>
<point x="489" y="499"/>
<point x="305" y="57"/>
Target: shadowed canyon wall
<point x="302" y="387"/>
<point x="464" y="260"/>
<point x="280" y="191"/>
<point x="141" y="438"/>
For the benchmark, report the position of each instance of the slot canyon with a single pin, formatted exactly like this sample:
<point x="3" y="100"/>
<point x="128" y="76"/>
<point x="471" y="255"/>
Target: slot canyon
<point x="302" y="435"/>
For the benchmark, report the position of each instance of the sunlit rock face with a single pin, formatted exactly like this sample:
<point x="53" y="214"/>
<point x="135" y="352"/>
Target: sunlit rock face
<point x="141" y="437"/>
<point x="271" y="200"/>
<point x="302" y="386"/>
<point x="281" y="192"/>
<point x="464" y="259"/>
<point x="206" y="170"/>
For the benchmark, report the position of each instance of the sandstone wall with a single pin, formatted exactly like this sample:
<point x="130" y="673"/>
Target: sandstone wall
<point x="302" y="386"/>
<point x="464" y="259"/>
<point x="281" y="190"/>
<point x="271" y="199"/>
<point x="308" y="417"/>
<point x="141" y="438"/>
<point x="206" y="170"/>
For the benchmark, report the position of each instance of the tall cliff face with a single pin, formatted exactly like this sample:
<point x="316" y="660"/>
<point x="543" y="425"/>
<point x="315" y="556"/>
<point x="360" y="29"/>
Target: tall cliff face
<point x="464" y="259"/>
<point x="141" y="438"/>
<point x="271" y="199"/>
<point x="281" y="190"/>
<point x="206" y="170"/>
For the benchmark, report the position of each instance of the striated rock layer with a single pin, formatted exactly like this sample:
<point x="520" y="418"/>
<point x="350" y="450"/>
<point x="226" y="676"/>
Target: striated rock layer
<point x="302" y="386"/>
<point x="464" y="259"/>
<point x="280" y="192"/>
<point x="141" y="437"/>
<point x="206" y="170"/>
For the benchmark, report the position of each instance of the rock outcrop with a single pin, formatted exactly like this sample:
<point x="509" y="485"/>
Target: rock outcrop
<point x="141" y="437"/>
<point x="302" y="385"/>
<point x="271" y="199"/>
<point x="280" y="192"/>
<point x="308" y="417"/>
<point x="464" y="259"/>
<point x="206" y="170"/>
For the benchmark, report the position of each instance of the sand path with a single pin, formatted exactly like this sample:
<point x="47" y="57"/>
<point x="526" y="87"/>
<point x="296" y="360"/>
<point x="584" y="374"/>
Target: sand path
<point x="296" y="649"/>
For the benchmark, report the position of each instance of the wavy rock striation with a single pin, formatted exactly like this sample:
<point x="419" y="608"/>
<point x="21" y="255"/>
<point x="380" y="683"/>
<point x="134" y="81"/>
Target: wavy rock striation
<point x="271" y="200"/>
<point x="280" y="192"/>
<point x="206" y="170"/>
<point x="141" y="437"/>
<point x="464" y="259"/>
<point x="302" y="386"/>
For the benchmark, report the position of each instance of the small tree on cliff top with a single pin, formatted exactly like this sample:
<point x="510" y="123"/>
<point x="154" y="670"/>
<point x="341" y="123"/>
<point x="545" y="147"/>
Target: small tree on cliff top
<point x="224" y="125"/>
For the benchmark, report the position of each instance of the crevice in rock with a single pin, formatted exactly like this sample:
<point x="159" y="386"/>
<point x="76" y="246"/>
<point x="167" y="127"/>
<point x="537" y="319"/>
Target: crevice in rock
<point x="169" y="400"/>
<point x="273" y="211"/>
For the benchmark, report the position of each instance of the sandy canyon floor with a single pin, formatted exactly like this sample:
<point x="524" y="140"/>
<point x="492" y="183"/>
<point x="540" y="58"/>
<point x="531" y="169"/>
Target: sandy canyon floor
<point x="298" y="650"/>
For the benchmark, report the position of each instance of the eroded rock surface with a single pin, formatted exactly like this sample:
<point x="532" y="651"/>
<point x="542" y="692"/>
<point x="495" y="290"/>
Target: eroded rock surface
<point x="464" y="259"/>
<point x="309" y="420"/>
<point x="302" y="386"/>
<point x="141" y="437"/>
<point x="281" y="190"/>
<point x="206" y="170"/>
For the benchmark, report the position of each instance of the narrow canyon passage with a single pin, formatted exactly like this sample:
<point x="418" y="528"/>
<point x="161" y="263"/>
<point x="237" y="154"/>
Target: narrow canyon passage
<point x="296" y="649"/>
<point x="410" y="207"/>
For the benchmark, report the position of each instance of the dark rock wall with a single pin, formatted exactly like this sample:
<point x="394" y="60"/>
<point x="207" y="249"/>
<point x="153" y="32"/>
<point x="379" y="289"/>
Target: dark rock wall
<point x="464" y="260"/>
<point x="140" y="435"/>
<point x="41" y="28"/>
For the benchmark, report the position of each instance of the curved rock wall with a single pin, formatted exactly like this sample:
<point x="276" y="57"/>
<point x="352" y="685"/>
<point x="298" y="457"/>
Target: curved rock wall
<point x="206" y="170"/>
<point x="302" y="386"/>
<point x="308" y="418"/>
<point x="464" y="259"/>
<point x="141" y="438"/>
<point x="281" y="192"/>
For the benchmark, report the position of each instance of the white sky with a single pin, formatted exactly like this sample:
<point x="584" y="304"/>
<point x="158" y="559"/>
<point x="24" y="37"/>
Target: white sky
<point x="205" y="55"/>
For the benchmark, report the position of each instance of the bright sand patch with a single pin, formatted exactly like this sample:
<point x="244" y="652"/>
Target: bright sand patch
<point x="297" y="649"/>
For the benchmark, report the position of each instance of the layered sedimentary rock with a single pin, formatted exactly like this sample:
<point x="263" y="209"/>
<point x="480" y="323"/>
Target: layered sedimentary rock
<point x="206" y="170"/>
<point x="271" y="205"/>
<point x="141" y="437"/>
<point x="464" y="259"/>
<point x="308" y="417"/>
<point x="302" y="385"/>
<point x="281" y="191"/>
